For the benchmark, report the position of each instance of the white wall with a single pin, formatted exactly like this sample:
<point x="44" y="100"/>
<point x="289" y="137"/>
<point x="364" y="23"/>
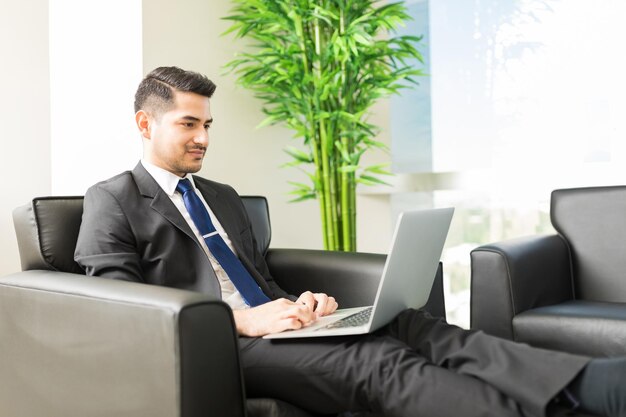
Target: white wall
<point x="24" y="115"/>
<point x="95" y="67"/>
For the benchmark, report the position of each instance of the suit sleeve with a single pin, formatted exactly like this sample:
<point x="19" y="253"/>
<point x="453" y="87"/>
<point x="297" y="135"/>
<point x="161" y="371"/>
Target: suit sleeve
<point x="106" y="245"/>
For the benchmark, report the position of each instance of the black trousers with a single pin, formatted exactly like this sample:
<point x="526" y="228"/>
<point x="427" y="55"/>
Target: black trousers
<point x="415" y="366"/>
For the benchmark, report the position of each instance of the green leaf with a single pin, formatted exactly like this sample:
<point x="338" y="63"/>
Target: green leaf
<point x="303" y="197"/>
<point x="298" y="154"/>
<point x="300" y="186"/>
<point x="376" y="144"/>
<point x="381" y="169"/>
<point x="362" y="39"/>
<point x="267" y="121"/>
<point x="348" y="168"/>
<point x="370" y="180"/>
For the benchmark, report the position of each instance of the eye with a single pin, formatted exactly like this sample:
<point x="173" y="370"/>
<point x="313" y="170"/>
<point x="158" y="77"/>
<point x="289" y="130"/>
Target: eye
<point x="207" y="127"/>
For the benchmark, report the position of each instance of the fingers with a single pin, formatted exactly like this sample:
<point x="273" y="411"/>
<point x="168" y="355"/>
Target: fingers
<point x="322" y="302"/>
<point x="325" y="305"/>
<point x="302" y="313"/>
<point x="273" y="317"/>
<point x="319" y="303"/>
<point x="289" y="324"/>
<point x="331" y="306"/>
<point x="282" y="314"/>
<point x="308" y="299"/>
<point x="301" y="310"/>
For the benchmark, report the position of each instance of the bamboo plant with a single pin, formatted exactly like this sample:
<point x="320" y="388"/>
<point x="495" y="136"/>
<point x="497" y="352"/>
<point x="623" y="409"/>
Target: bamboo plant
<point x="318" y="66"/>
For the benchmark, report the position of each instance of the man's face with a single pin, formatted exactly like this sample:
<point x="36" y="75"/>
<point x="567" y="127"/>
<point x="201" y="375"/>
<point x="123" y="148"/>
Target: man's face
<point x="177" y="140"/>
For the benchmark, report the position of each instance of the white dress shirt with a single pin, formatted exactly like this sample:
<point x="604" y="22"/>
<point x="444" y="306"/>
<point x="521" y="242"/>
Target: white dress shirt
<point x="168" y="182"/>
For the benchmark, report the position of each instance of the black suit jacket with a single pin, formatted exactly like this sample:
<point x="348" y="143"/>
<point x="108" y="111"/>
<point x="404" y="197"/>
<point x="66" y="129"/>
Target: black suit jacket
<point x="132" y="231"/>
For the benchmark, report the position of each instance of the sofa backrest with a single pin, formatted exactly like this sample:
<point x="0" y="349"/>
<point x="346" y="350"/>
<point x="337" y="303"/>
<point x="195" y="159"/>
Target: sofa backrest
<point x="47" y="230"/>
<point x="593" y="223"/>
<point x="259" y="215"/>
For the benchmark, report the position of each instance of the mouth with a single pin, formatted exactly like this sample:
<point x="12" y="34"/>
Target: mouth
<point x="198" y="153"/>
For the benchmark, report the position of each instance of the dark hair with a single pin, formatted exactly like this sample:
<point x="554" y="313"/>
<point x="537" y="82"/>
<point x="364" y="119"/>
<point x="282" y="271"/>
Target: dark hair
<point x="156" y="91"/>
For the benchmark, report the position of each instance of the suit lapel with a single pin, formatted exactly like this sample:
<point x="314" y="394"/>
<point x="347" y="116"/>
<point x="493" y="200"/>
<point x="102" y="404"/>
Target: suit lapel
<point x="161" y="202"/>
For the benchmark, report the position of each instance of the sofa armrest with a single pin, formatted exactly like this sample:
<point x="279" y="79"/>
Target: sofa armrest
<point x="513" y="276"/>
<point x="351" y="277"/>
<point x="76" y="346"/>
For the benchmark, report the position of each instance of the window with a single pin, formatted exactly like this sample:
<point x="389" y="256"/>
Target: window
<point x="524" y="97"/>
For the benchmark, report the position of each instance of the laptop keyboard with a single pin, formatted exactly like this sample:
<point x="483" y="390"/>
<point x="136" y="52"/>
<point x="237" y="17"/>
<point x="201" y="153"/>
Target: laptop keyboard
<point x="357" y="319"/>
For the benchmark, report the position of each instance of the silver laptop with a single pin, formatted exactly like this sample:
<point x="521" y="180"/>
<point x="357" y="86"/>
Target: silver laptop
<point x="406" y="282"/>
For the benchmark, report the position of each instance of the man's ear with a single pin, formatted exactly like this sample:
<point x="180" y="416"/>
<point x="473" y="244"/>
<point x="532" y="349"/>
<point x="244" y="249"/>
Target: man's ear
<point x="143" y="121"/>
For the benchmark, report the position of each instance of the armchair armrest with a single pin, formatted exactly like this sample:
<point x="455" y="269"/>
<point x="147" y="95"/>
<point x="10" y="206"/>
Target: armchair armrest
<point x="76" y="346"/>
<point x="513" y="276"/>
<point x="351" y="277"/>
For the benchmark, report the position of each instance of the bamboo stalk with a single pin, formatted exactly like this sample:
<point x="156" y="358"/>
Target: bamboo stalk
<point x="328" y="200"/>
<point x="351" y="211"/>
<point x="329" y="195"/>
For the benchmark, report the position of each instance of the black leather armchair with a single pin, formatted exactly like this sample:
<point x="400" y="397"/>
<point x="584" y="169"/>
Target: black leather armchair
<point x="71" y="346"/>
<point x="566" y="291"/>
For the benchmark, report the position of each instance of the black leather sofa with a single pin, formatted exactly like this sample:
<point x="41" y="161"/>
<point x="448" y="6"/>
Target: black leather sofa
<point x="565" y="291"/>
<point x="77" y="346"/>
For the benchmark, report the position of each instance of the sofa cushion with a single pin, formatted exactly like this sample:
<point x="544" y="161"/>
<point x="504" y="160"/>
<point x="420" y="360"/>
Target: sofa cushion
<point x="584" y="327"/>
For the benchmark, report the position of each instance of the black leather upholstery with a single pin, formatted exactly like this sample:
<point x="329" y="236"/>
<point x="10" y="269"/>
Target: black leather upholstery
<point x="511" y="277"/>
<point x="259" y="215"/>
<point x="196" y="345"/>
<point x="575" y="326"/>
<point x="592" y="221"/>
<point x="47" y="229"/>
<point x="75" y="347"/>
<point x="564" y="291"/>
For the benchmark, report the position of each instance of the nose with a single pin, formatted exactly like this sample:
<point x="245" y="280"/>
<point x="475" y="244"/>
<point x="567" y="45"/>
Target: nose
<point x="202" y="138"/>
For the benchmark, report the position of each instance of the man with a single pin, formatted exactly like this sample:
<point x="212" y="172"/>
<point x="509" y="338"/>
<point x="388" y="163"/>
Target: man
<point x="159" y="225"/>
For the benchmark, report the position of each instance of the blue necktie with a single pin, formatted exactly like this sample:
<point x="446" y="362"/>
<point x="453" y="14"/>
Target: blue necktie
<point x="245" y="284"/>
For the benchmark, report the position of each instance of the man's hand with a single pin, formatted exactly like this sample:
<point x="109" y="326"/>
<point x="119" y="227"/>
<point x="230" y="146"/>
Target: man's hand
<point x="320" y="303"/>
<point x="279" y="315"/>
<point x="273" y="317"/>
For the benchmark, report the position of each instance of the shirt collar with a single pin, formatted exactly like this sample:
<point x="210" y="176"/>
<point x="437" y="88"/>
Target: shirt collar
<point x="166" y="180"/>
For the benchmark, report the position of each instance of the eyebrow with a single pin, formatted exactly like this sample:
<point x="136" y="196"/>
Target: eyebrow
<point x="195" y="119"/>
